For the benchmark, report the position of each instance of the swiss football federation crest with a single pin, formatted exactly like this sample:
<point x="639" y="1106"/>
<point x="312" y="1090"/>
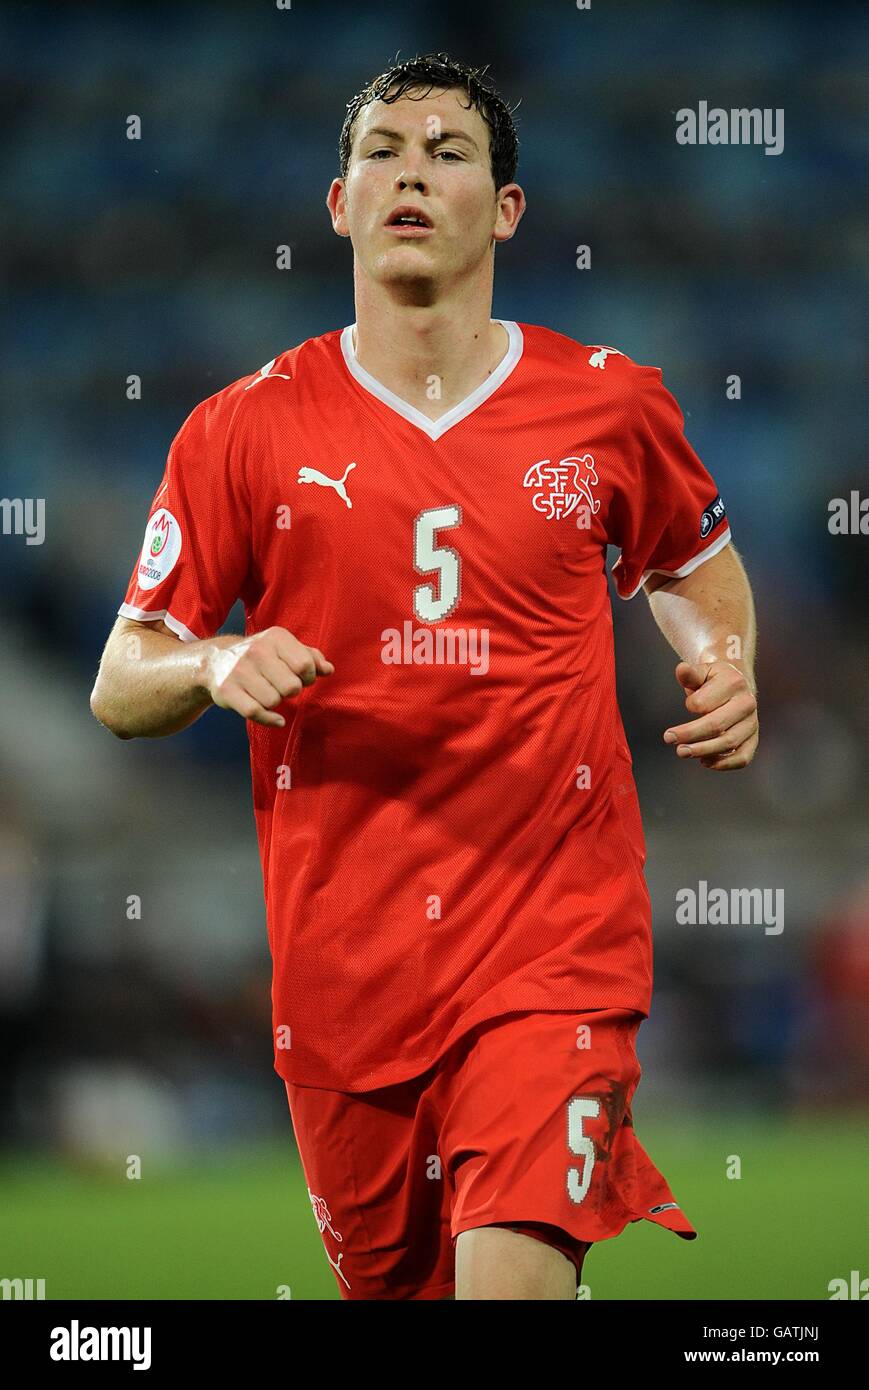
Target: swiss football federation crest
<point x="323" y="1218"/>
<point x="562" y="486"/>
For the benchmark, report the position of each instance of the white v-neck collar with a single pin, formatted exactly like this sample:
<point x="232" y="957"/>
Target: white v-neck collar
<point x="435" y="428"/>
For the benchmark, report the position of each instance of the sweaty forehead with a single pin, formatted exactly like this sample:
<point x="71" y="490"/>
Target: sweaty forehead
<point x="411" y="113"/>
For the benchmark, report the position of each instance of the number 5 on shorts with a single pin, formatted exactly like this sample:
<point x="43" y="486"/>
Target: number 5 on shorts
<point x="579" y="1109"/>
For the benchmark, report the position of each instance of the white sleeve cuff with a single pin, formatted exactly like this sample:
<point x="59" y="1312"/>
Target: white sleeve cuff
<point x="127" y="610"/>
<point x="702" y="555"/>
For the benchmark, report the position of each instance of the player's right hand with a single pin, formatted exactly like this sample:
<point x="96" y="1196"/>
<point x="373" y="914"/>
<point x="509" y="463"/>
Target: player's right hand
<point x="254" y="674"/>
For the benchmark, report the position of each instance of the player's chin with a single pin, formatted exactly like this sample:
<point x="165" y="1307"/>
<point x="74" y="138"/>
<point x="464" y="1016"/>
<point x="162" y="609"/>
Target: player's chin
<point x="408" y="253"/>
<point x="409" y="270"/>
<point x="394" y="248"/>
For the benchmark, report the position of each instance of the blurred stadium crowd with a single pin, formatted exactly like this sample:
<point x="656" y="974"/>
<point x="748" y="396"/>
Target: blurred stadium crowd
<point x="156" y="257"/>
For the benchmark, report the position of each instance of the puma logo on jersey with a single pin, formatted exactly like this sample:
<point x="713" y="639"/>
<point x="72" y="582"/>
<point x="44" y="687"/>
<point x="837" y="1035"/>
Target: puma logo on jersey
<point x="599" y="357"/>
<point x="313" y="475"/>
<point x="266" y="373"/>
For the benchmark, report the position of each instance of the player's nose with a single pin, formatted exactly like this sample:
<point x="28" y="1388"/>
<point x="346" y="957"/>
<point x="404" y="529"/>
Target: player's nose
<point x="410" y="177"/>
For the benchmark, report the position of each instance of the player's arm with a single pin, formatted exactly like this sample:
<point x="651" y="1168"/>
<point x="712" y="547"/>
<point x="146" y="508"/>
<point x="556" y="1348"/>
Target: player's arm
<point x="708" y="618"/>
<point x="151" y="684"/>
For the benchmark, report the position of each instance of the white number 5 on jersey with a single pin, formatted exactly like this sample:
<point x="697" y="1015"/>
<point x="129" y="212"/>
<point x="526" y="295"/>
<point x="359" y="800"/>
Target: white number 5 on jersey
<point x="427" y="557"/>
<point x="579" y="1109"/>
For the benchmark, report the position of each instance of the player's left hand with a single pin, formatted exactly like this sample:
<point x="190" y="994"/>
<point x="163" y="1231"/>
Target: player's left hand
<point x="725" y="734"/>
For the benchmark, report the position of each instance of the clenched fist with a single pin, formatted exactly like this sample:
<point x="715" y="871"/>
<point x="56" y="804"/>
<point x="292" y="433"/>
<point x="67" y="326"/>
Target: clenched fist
<point x="256" y="673"/>
<point x="725" y="733"/>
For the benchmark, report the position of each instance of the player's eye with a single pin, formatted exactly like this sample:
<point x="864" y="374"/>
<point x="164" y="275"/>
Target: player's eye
<point x="451" y="154"/>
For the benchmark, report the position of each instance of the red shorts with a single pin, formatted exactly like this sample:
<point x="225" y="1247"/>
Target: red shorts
<point x="524" y="1122"/>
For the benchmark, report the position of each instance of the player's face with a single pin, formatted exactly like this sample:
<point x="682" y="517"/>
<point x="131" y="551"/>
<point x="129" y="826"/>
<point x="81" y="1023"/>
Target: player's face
<point x="429" y="153"/>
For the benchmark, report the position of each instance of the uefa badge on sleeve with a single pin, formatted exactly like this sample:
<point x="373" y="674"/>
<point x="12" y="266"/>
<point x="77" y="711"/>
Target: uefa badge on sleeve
<point x="160" y="549"/>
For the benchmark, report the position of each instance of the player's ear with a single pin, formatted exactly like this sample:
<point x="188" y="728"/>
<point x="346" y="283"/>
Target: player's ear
<point x="335" y="202"/>
<point x="511" y="205"/>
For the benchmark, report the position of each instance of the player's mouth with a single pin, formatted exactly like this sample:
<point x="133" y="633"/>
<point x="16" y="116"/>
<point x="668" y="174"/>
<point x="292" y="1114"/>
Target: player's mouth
<point x="407" y="221"/>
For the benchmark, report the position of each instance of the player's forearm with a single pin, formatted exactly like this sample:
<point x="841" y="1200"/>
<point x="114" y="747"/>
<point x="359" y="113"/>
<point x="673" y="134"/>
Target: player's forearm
<point x="150" y="685"/>
<point x="709" y="615"/>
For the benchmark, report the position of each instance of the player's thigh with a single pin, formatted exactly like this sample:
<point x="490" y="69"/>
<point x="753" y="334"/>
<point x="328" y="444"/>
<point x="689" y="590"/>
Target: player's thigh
<point x="493" y="1262"/>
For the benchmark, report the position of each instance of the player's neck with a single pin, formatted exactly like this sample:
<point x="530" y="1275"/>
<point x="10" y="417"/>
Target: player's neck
<point x="431" y="357"/>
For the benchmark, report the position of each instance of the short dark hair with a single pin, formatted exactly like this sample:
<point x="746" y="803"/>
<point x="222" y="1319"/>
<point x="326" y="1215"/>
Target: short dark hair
<point x="432" y="70"/>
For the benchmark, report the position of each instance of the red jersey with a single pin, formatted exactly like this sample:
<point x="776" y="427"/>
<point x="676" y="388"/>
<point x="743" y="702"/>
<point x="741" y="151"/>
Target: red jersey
<point x="448" y="825"/>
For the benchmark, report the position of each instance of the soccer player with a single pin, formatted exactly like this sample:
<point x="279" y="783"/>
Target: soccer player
<point x="415" y="511"/>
